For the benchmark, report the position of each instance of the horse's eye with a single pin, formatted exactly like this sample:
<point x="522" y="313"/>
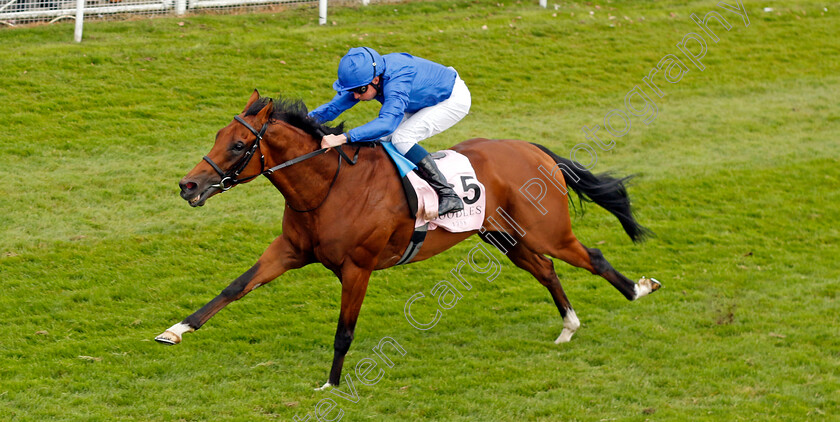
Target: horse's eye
<point x="238" y="146"/>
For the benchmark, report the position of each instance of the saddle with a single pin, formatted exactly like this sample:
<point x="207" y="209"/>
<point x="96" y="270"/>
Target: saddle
<point x="422" y="199"/>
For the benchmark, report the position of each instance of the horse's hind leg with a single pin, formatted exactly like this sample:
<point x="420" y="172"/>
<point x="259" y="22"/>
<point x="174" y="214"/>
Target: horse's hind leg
<point x="574" y="253"/>
<point x="627" y="287"/>
<point x="543" y="269"/>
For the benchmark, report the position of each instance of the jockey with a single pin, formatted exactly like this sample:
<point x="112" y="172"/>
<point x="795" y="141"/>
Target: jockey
<point x="419" y="99"/>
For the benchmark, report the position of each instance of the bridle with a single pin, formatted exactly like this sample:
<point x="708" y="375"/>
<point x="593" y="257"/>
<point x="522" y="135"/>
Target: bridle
<point x="230" y="178"/>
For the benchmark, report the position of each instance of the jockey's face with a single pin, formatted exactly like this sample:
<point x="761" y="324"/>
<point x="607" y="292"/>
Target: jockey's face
<point x="370" y="93"/>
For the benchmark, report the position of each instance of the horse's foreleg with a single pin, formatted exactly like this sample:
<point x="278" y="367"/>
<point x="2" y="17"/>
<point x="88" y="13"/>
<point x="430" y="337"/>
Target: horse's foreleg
<point x="354" y="282"/>
<point x="280" y="257"/>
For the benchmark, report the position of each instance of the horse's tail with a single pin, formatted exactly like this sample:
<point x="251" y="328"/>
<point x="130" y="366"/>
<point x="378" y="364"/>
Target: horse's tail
<point x="604" y="190"/>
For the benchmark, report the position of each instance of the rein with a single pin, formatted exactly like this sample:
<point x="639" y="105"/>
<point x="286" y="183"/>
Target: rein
<point x="230" y="178"/>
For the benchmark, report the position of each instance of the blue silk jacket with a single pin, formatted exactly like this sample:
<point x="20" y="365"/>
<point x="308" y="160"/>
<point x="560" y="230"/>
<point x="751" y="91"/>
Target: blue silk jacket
<point x="408" y="84"/>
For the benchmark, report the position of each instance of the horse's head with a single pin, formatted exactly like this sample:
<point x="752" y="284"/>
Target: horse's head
<point x="230" y="161"/>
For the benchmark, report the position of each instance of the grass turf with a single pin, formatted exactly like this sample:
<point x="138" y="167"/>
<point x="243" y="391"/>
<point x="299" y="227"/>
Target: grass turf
<point x="738" y="176"/>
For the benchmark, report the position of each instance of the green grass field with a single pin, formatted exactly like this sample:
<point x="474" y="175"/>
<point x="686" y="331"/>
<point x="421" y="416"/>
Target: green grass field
<point x="738" y="175"/>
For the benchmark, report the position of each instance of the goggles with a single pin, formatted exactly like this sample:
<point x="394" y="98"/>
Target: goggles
<point x="360" y="89"/>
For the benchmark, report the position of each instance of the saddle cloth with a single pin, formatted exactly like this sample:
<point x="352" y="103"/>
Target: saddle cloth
<point x="461" y="175"/>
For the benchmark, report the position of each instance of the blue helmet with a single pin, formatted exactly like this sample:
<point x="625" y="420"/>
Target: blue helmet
<point x="358" y="68"/>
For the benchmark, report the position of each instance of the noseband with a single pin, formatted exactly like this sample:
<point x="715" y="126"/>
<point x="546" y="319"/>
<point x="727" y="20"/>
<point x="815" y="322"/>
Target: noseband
<point x="230" y="178"/>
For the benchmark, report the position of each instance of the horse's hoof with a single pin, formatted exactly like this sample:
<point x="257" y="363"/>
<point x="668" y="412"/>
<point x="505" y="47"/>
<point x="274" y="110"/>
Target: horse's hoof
<point x="646" y="286"/>
<point x="565" y="336"/>
<point x="168" y="338"/>
<point x="571" y="323"/>
<point x="655" y="285"/>
<point x="324" y="387"/>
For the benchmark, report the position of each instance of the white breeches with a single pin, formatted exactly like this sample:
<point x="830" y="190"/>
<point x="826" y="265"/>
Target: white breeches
<point x="430" y="121"/>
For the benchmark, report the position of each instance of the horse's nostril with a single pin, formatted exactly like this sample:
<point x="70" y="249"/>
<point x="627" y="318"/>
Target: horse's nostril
<point x="187" y="187"/>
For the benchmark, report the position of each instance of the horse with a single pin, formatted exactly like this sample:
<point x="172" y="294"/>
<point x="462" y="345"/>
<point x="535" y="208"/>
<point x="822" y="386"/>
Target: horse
<point x="358" y="221"/>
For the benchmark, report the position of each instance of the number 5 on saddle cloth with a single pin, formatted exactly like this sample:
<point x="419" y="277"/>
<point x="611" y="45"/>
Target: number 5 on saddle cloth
<point x="423" y="201"/>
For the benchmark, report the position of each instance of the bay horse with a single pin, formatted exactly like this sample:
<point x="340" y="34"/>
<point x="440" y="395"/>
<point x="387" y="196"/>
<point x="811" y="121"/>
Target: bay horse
<point x="357" y="220"/>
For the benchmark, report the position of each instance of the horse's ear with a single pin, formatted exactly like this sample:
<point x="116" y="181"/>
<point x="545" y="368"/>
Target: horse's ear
<point x="266" y="111"/>
<point x="254" y="97"/>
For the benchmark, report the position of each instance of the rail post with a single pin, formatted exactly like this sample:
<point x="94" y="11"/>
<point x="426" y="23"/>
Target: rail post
<point x="80" y="20"/>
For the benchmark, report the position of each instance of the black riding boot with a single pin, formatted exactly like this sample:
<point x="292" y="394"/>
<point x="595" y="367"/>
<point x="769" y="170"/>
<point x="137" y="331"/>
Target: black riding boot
<point x="448" y="199"/>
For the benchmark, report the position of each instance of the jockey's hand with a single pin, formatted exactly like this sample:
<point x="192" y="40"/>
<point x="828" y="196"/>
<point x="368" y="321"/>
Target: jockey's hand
<point x="329" y="141"/>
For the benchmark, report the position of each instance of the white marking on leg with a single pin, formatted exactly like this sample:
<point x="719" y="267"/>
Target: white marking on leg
<point x="324" y="387"/>
<point x="180" y="328"/>
<point x="570" y="324"/>
<point x="174" y="333"/>
<point x="646" y="286"/>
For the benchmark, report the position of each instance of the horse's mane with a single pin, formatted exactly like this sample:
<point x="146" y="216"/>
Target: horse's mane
<point x="294" y="112"/>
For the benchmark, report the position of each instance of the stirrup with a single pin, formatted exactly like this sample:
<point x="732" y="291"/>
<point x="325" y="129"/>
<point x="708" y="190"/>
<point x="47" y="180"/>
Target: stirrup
<point x="446" y="205"/>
